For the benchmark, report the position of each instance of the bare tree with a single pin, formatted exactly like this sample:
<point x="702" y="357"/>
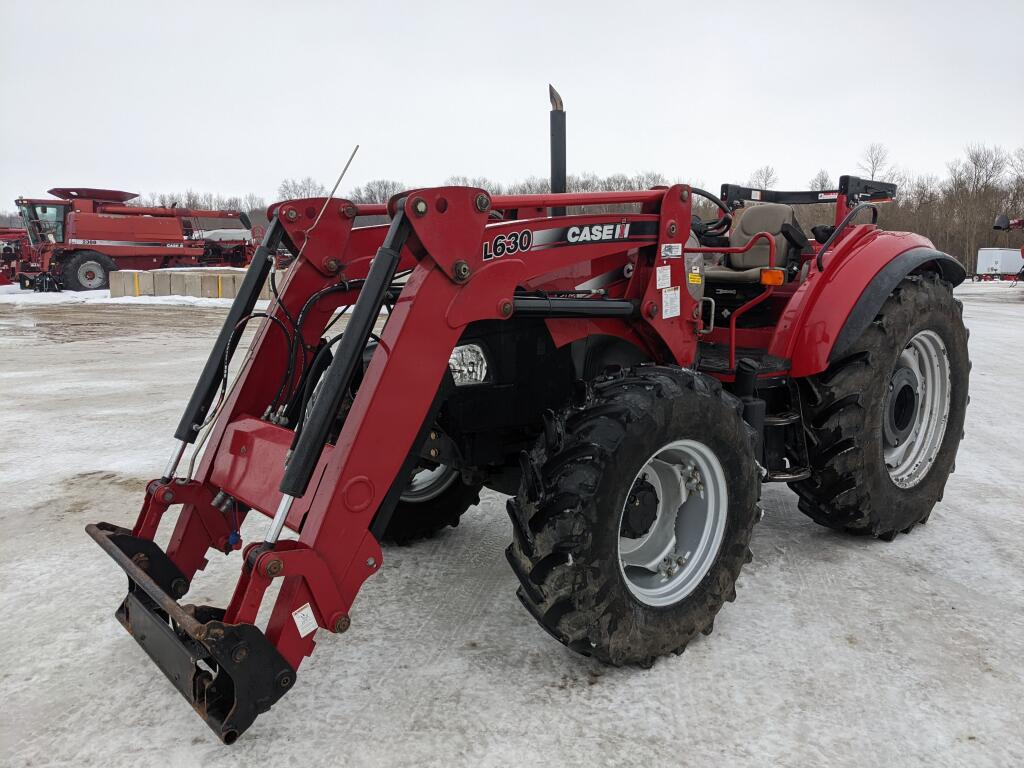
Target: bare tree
<point x="955" y="211"/>
<point x="875" y="161"/>
<point x="481" y="182"/>
<point x="532" y="185"/>
<point x="763" y="178"/>
<point x="376" y="191"/>
<point x="821" y="181"/>
<point x="253" y="203"/>
<point x="296" y="189"/>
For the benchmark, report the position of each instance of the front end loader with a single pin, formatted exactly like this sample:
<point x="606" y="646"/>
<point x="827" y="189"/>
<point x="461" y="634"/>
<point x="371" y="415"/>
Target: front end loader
<point x="630" y="379"/>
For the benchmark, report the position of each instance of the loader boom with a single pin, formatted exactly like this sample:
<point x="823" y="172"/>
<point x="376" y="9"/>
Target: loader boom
<point x="466" y="257"/>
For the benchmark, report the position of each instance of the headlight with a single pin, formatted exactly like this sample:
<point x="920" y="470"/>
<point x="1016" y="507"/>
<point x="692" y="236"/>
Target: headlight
<point x="468" y="365"/>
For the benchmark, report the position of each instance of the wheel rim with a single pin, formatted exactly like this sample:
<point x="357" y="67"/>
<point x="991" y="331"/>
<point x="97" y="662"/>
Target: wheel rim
<point x="428" y="483"/>
<point x="663" y="563"/>
<point x="90" y="274"/>
<point x="916" y="409"/>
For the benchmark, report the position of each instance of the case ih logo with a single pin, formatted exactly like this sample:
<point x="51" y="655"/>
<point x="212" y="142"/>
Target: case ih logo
<point x="597" y="232"/>
<point x="536" y="240"/>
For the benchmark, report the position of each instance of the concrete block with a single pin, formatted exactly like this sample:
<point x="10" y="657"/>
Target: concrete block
<point x="161" y="283"/>
<point x="209" y="285"/>
<point x="193" y="285"/>
<point x="178" y="283"/>
<point x="118" y="281"/>
<point x="144" y="281"/>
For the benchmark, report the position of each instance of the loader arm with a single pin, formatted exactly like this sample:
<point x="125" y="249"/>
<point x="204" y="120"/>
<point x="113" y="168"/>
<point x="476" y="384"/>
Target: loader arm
<point x="271" y="449"/>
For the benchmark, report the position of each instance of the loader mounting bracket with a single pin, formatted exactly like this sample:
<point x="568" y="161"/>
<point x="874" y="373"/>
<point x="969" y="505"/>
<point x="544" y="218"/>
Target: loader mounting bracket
<point x="230" y="673"/>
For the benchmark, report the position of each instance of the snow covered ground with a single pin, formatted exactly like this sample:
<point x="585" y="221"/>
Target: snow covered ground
<point x="13" y="295"/>
<point x="838" y="651"/>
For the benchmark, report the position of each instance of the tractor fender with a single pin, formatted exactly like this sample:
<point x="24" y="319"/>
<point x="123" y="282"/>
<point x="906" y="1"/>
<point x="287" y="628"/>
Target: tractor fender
<point x="884" y="283"/>
<point x="831" y="309"/>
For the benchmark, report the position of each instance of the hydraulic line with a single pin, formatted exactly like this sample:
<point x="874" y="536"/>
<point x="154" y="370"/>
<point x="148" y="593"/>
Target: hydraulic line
<point x="303" y="458"/>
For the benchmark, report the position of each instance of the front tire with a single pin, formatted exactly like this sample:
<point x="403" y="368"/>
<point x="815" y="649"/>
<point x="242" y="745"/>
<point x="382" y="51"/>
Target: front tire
<point x="586" y="513"/>
<point x="87" y="271"/>
<point x="884" y="422"/>
<point x="435" y="499"/>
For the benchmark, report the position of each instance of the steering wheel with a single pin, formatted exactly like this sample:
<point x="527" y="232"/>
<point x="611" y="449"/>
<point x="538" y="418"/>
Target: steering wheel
<point x="718" y="226"/>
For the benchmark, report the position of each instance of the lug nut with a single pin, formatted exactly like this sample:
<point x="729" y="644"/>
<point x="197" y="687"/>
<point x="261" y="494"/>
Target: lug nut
<point x="291" y="214"/>
<point x="461" y="270"/>
<point x="483" y="202"/>
<point x="273" y="568"/>
<point x="342" y="623"/>
<point x="332" y="265"/>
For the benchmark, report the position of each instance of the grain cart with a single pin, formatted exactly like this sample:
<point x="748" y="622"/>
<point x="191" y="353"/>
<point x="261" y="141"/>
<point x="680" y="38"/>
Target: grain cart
<point x="84" y="234"/>
<point x="631" y="380"/>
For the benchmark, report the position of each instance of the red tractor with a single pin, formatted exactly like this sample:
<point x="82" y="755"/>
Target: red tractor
<point x="13" y="246"/>
<point x="79" y="238"/>
<point x="629" y="379"/>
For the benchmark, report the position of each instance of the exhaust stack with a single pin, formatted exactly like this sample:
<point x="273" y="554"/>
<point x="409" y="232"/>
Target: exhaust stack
<point x="557" y="146"/>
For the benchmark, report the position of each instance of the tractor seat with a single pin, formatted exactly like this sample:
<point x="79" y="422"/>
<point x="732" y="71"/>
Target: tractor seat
<point x="774" y="218"/>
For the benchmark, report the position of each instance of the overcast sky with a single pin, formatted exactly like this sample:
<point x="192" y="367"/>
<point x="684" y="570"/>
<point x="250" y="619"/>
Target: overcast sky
<point x="231" y="97"/>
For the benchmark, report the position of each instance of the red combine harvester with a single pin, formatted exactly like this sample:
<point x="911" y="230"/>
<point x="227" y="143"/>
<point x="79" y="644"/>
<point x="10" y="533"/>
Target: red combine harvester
<point x="79" y="238"/>
<point x="13" y="247"/>
<point x="631" y="379"/>
<point x="1005" y="223"/>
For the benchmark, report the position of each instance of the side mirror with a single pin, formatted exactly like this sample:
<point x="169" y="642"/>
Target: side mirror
<point x="1002" y="222"/>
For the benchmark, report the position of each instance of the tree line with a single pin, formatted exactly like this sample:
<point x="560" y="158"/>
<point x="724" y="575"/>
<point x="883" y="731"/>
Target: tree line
<point x="955" y="211"/>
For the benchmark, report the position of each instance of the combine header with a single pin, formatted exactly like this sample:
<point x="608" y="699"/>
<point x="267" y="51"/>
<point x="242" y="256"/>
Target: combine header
<point x="85" y="234"/>
<point x="631" y="379"/>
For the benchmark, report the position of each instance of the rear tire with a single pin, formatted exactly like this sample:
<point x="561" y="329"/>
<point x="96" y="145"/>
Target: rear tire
<point x="865" y="475"/>
<point x="87" y="271"/>
<point x="435" y="504"/>
<point x="570" y="518"/>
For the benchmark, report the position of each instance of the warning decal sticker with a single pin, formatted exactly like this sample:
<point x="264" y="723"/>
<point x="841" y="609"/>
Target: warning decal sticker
<point x="305" y="621"/>
<point x="670" y="303"/>
<point x="664" y="277"/>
